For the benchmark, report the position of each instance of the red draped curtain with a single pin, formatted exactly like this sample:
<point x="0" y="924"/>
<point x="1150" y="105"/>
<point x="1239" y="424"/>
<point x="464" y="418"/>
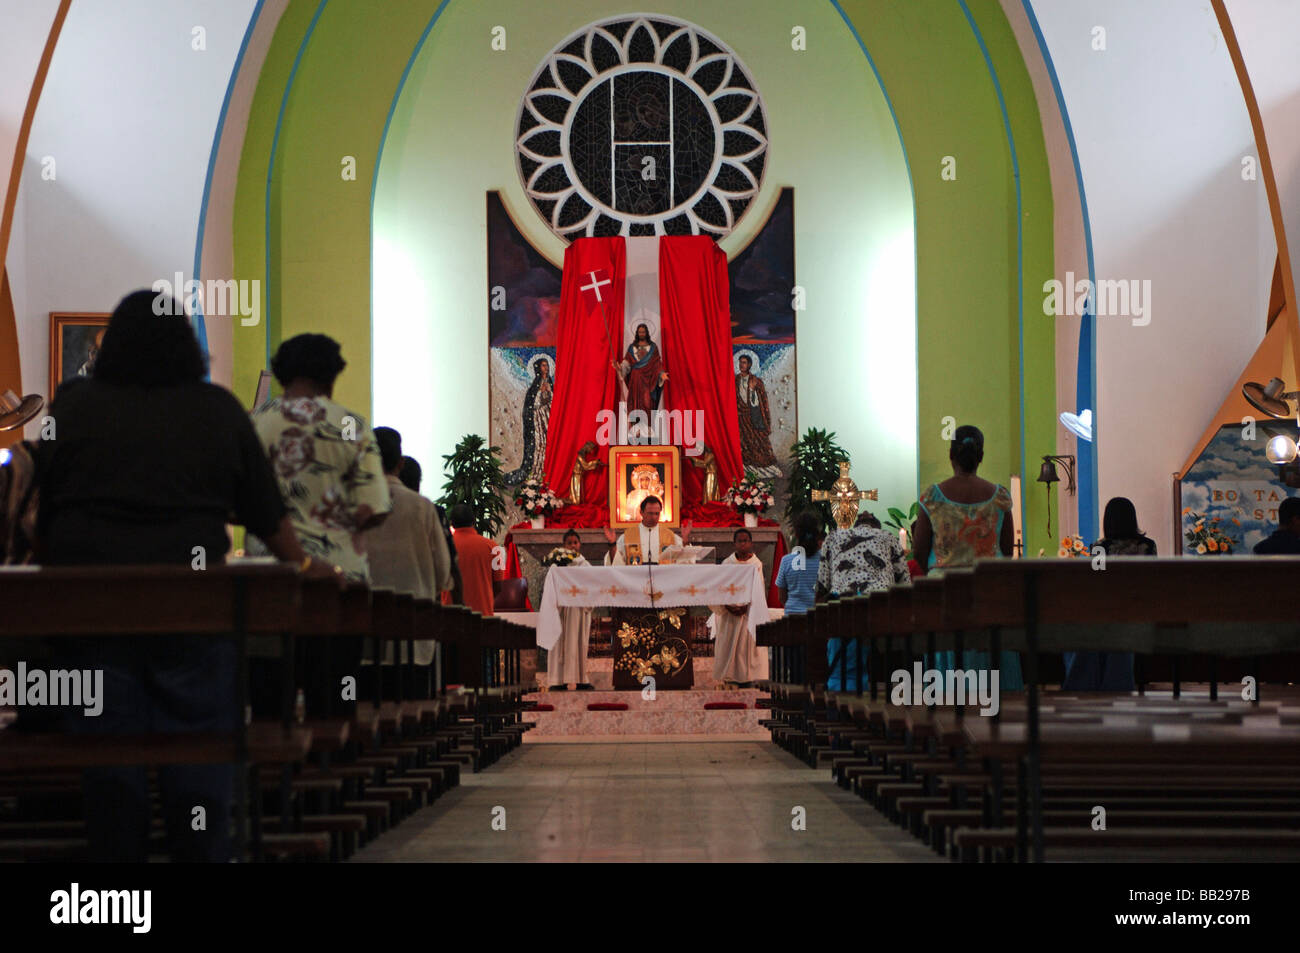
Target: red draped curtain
<point x="588" y="337"/>
<point x="695" y="317"/>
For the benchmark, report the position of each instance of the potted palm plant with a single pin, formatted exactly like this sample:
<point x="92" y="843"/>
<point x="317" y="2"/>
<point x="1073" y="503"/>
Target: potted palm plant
<point x="816" y="458"/>
<point x="902" y="523"/>
<point x="474" y="478"/>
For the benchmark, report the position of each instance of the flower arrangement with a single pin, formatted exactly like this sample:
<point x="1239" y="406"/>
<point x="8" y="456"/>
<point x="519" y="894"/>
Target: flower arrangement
<point x="536" y="499"/>
<point x="1072" y="547"/>
<point x="750" y="496"/>
<point x="559" y="556"/>
<point x="1204" y="537"/>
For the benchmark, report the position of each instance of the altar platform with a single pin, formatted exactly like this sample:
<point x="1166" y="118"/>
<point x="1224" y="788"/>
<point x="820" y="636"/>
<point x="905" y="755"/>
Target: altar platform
<point x="672" y="717"/>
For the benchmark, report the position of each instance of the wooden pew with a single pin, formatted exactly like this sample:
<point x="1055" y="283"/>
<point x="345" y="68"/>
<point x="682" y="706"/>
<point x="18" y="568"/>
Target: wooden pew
<point x="232" y="602"/>
<point x="415" y="747"/>
<point x="1035" y="606"/>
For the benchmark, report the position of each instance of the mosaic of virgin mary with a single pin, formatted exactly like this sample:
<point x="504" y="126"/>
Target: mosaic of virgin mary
<point x="536" y="418"/>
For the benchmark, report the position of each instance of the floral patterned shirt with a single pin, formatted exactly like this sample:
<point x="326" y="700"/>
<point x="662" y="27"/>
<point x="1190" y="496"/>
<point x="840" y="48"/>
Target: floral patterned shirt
<point x="327" y="464"/>
<point x="964" y="532"/>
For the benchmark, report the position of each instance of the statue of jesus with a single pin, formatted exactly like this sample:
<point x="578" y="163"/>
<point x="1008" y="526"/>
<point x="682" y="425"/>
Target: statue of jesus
<point x="641" y="373"/>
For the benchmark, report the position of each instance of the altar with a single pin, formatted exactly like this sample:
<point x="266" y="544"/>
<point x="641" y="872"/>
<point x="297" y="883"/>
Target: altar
<point x="648" y="601"/>
<point x="768" y="543"/>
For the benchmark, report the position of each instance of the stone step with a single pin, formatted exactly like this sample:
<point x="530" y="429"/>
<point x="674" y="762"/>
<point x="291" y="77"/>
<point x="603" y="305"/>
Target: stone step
<point x="601" y="673"/>
<point x="646" y="723"/>
<point x="573" y="701"/>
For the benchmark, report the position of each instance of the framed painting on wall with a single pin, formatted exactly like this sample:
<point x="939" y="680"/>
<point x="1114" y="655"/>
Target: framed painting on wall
<point x="75" y="338"/>
<point x="638" y="472"/>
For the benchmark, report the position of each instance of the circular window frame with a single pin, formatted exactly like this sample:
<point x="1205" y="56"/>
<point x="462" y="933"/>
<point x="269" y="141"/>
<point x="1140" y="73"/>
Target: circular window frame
<point x="597" y="210"/>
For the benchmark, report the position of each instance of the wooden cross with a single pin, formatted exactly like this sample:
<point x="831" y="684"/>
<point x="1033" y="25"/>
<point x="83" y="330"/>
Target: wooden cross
<point x="845" y="497"/>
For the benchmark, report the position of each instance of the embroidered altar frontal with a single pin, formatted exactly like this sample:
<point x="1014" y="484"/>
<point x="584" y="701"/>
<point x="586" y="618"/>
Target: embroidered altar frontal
<point x="650" y="643"/>
<point x="648" y="587"/>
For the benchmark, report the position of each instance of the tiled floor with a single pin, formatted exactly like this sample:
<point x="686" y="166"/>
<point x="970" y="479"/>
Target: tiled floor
<point x="727" y="801"/>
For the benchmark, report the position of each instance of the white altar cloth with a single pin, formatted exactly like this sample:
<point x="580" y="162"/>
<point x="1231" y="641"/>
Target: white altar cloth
<point x="649" y="587"/>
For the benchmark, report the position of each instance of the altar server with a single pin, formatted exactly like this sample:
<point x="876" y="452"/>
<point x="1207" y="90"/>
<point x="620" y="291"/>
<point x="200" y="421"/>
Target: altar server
<point x="737" y="659"/>
<point x="567" y="661"/>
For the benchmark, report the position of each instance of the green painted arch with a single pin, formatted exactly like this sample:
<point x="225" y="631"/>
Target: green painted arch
<point x="249" y="219"/>
<point x="929" y="60"/>
<point x="302" y="222"/>
<point x="968" y="303"/>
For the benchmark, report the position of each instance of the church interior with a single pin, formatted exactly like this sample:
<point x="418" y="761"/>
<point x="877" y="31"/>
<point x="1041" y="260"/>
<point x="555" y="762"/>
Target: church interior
<point x="437" y="431"/>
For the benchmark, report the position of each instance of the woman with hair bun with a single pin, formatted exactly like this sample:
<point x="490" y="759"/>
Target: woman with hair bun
<point x="963" y="519"/>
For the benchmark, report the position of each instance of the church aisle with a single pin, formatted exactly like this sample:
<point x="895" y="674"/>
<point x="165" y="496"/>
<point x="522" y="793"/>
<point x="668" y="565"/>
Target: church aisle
<point x="729" y="801"/>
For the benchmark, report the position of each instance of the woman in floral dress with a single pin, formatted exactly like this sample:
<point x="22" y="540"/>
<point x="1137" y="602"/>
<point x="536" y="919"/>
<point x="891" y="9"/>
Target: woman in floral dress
<point x="963" y="519"/>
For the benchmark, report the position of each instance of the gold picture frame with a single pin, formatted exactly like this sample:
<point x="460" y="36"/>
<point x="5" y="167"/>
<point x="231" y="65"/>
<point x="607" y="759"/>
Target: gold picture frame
<point x="626" y="489"/>
<point x="74" y="343"/>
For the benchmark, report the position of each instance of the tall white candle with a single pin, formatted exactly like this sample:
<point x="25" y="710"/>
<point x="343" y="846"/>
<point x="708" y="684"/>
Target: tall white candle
<point x="1019" y="515"/>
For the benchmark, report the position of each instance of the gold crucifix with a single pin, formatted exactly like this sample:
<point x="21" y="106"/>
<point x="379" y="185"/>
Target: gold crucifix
<point x="844" y="496"/>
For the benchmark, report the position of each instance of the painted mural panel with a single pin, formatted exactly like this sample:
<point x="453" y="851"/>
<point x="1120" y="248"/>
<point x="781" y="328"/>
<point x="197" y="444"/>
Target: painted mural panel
<point x="524" y="299"/>
<point x="1233" y="482"/>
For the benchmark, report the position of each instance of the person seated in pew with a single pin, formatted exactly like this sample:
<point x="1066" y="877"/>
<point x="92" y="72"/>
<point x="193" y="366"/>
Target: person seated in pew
<point x="737" y="659"/>
<point x="861" y="559"/>
<point x="408" y="551"/>
<point x="331" y="478"/>
<point x="1285" y="540"/>
<point x="963" y="519"/>
<point x="149" y="463"/>
<point x="1110" y="671"/>
<point x="566" y="662"/>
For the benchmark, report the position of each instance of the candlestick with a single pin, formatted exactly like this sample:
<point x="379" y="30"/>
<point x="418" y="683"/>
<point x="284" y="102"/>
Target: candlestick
<point x="1018" y="548"/>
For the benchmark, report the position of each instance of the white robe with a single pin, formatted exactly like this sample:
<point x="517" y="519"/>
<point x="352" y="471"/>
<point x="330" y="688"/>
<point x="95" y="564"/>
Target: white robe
<point x="566" y="663"/>
<point x="736" y="657"/>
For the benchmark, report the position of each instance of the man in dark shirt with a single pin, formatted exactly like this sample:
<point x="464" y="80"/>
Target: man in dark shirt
<point x="1285" y="540"/>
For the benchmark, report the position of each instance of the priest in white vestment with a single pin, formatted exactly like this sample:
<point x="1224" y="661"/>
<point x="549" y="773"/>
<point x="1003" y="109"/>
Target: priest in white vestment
<point x="644" y="542"/>
<point x="566" y="663"/>
<point x="737" y="659"/>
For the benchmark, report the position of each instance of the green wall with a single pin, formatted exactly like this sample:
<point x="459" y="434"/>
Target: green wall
<point x="968" y="314"/>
